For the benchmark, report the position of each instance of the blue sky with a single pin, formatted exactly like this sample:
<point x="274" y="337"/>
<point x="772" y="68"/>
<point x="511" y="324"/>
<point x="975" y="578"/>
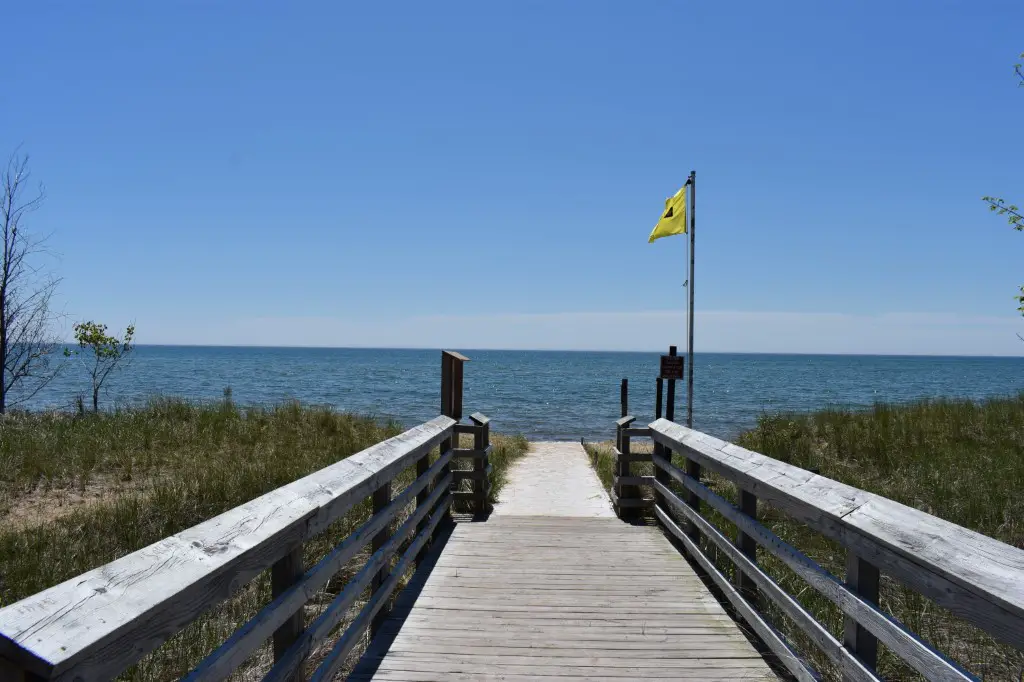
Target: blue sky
<point x="485" y="175"/>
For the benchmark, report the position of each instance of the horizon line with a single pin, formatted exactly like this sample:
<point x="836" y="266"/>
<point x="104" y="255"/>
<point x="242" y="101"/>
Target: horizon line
<point x="574" y="350"/>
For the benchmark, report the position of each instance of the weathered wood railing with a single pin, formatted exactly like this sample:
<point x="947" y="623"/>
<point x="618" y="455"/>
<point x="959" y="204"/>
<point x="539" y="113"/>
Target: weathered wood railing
<point x="625" y="494"/>
<point x="977" y="578"/>
<point x="479" y="454"/>
<point x="95" y="626"/>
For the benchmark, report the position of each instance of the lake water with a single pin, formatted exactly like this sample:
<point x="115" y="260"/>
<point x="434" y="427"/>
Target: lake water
<point x="541" y="394"/>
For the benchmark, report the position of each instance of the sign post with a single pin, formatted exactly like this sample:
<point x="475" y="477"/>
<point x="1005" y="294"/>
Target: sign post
<point x="672" y="370"/>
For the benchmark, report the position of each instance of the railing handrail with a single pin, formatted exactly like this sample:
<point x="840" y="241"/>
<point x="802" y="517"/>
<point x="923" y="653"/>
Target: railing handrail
<point x="976" y="577"/>
<point x="103" y="621"/>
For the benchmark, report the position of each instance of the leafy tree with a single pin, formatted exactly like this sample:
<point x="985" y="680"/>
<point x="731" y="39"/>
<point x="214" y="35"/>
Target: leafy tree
<point x="106" y="352"/>
<point x="1011" y="211"/>
<point x="28" y="340"/>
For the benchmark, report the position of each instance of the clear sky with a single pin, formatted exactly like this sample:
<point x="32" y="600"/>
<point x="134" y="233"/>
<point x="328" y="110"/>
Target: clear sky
<point x="486" y="174"/>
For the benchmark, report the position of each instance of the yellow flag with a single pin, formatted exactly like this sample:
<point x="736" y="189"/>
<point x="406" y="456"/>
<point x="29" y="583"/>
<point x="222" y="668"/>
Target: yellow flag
<point x="673" y="219"/>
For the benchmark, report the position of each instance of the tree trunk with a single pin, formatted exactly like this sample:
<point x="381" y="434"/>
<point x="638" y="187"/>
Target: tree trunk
<point x="3" y="374"/>
<point x="3" y="351"/>
<point x="95" y="398"/>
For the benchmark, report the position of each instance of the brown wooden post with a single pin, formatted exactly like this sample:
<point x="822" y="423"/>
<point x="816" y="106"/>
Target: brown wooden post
<point x="447" y="361"/>
<point x="861" y="577"/>
<point x="451" y="383"/>
<point x="657" y="397"/>
<point x="481" y="484"/>
<point x="457" y="362"/>
<point x="626" y="492"/>
<point x="624" y="397"/>
<point x="660" y="474"/>
<point x="381" y="499"/>
<point x="748" y="546"/>
<point x="451" y="403"/>
<point x="284" y="573"/>
<point x="670" y="402"/>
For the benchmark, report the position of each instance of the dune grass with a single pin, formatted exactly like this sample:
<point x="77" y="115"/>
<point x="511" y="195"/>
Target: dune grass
<point x="960" y="460"/>
<point x="78" y="492"/>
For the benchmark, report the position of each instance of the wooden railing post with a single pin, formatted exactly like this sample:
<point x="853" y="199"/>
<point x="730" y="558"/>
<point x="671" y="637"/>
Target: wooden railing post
<point x="381" y="499"/>
<point x="451" y="402"/>
<point x="862" y="578"/>
<point x="660" y="450"/>
<point x="422" y="466"/>
<point x="748" y="546"/>
<point x="618" y="469"/>
<point x="622" y="491"/>
<point x="624" y="397"/>
<point x="691" y="498"/>
<point x="481" y="465"/>
<point x="284" y="573"/>
<point x="447" y="383"/>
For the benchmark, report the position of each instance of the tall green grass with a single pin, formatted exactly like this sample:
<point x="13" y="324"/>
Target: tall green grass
<point x="136" y="476"/>
<point x="960" y="460"/>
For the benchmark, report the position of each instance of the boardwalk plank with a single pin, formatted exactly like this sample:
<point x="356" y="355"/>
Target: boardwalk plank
<point x="574" y="612"/>
<point x="553" y="586"/>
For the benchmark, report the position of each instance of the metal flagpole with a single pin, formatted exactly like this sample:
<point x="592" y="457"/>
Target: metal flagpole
<point x="689" y="341"/>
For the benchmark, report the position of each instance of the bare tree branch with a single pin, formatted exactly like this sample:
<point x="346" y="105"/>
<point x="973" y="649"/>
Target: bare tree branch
<point x="28" y="342"/>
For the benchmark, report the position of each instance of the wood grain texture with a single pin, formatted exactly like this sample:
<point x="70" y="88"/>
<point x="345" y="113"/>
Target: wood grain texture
<point x="319" y="629"/>
<point x="329" y="667"/>
<point x="850" y="667"/>
<point x="930" y="663"/>
<point x="976" y="577"/>
<point x="240" y="645"/>
<point x="585" y="597"/>
<point x="284" y="574"/>
<point x="765" y="631"/>
<point x="99" y="623"/>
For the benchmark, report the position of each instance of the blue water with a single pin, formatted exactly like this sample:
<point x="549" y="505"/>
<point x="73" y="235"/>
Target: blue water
<point x="541" y="394"/>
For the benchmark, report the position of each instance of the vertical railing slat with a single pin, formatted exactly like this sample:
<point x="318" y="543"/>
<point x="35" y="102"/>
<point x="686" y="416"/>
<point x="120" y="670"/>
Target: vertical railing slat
<point x="862" y="577"/>
<point x="748" y="546"/>
<point x="381" y="499"/>
<point x="481" y="484"/>
<point x="624" y="492"/>
<point x="422" y="466"/>
<point x="284" y="573"/>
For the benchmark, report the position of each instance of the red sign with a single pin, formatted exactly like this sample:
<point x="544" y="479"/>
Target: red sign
<point x="671" y="367"/>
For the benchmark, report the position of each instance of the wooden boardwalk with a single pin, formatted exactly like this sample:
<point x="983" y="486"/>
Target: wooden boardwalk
<point x="576" y="594"/>
<point x="551" y="585"/>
